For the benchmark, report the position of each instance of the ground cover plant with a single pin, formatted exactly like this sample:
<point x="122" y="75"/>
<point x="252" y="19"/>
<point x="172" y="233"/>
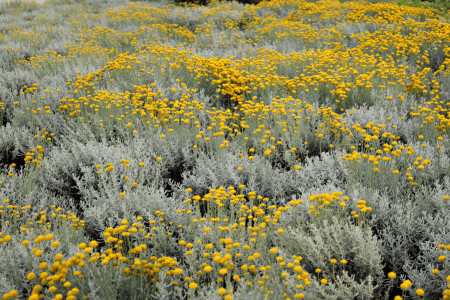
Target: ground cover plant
<point x="282" y="150"/>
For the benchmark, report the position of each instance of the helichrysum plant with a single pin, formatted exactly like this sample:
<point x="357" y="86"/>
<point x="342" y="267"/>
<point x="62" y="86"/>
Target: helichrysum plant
<point x="283" y="150"/>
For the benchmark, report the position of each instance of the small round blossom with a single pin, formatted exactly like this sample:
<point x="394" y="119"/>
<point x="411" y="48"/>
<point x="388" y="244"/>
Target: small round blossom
<point x="193" y="285"/>
<point x="392" y="275"/>
<point x="31" y="276"/>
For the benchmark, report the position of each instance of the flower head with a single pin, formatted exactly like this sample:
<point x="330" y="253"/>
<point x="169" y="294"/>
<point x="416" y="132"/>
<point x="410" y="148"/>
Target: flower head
<point x="193" y="285"/>
<point x="392" y="275"/>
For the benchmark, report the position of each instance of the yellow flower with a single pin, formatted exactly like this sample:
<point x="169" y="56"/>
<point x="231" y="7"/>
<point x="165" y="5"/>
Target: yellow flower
<point x="222" y="291"/>
<point x="193" y="285"/>
<point x="177" y="271"/>
<point x="31" y="276"/>
<point x="158" y="159"/>
<point x="324" y="281"/>
<point x="207" y="269"/>
<point x="298" y="269"/>
<point x="42" y="265"/>
<point x="39" y="239"/>
<point x="273" y="250"/>
<point x="55" y="244"/>
<point x="420" y="292"/>
<point x="392" y="275"/>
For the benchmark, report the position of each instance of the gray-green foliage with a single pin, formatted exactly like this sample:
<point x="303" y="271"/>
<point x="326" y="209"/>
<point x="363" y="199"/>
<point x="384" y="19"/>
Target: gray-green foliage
<point x="419" y="270"/>
<point x="338" y="239"/>
<point x="257" y="175"/>
<point x="13" y="81"/>
<point x="242" y="291"/>
<point x="15" y="142"/>
<point x="378" y="115"/>
<point x="317" y="172"/>
<point x="21" y="259"/>
<point x="23" y="188"/>
<point x="410" y="237"/>
<point x="346" y="287"/>
<point x="106" y="208"/>
<point x="71" y="172"/>
<point x="430" y="230"/>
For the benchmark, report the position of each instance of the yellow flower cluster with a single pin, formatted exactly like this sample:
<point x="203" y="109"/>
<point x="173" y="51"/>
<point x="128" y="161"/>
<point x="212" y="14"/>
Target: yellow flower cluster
<point x="234" y="246"/>
<point x="223" y="234"/>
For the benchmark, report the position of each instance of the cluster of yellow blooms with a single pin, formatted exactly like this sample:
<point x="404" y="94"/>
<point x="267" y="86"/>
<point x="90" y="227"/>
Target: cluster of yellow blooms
<point x="237" y="231"/>
<point x="227" y="265"/>
<point x="133" y="264"/>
